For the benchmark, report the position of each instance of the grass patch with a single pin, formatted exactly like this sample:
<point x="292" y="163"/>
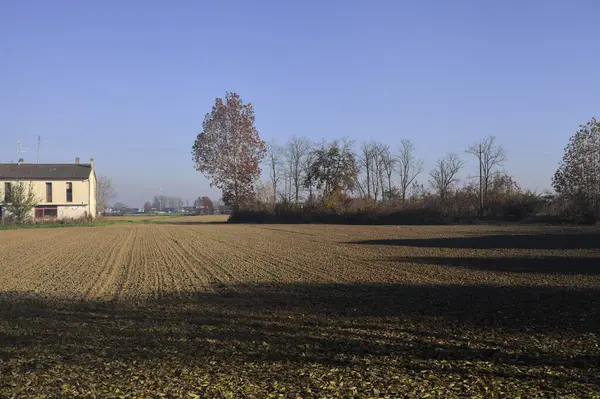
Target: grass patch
<point x="105" y="221"/>
<point x="94" y="223"/>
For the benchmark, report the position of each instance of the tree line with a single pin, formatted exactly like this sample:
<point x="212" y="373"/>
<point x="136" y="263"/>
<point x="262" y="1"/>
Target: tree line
<point x="342" y="176"/>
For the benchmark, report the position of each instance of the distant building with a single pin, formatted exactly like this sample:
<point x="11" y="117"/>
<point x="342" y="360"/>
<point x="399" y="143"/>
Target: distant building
<point x="190" y="210"/>
<point x="64" y="190"/>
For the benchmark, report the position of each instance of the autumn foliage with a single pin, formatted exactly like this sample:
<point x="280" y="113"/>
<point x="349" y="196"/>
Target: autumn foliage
<point x="577" y="179"/>
<point x="229" y="150"/>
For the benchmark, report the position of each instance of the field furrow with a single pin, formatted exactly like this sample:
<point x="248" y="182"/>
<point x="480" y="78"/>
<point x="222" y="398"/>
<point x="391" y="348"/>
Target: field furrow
<point x="186" y="309"/>
<point x="154" y="283"/>
<point x="42" y="265"/>
<point x="115" y="266"/>
<point x="186" y="268"/>
<point x="102" y="261"/>
<point x="240" y="259"/>
<point x="217" y="261"/>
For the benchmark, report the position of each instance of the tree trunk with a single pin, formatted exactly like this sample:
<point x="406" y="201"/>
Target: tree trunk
<point x="389" y="189"/>
<point x="480" y="184"/>
<point x="368" y="183"/>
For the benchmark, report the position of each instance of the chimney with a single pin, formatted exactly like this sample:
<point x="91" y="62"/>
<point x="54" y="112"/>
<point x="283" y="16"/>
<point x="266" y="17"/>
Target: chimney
<point x="92" y="162"/>
<point x="77" y="161"/>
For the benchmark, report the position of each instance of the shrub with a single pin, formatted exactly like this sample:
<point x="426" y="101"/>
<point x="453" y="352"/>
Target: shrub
<point x="456" y="209"/>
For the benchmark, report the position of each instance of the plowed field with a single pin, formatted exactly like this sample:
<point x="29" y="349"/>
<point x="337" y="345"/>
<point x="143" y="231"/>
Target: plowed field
<point x="184" y="309"/>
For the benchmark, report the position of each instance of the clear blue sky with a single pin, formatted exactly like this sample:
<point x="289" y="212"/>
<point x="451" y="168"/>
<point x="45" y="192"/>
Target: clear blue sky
<point x="129" y="82"/>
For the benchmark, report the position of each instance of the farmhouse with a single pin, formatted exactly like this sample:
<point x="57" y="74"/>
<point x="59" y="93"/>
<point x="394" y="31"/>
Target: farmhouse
<point x="64" y="191"/>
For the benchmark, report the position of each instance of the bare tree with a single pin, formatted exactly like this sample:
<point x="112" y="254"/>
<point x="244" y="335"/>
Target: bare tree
<point x="490" y="156"/>
<point x="389" y="162"/>
<point x="371" y="167"/>
<point x="445" y="174"/>
<point x="309" y="178"/>
<point x="365" y="164"/>
<point x="263" y="192"/>
<point x="104" y="192"/>
<point x="378" y="171"/>
<point x="409" y="166"/>
<point x="274" y="158"/>
<point x="297" y="150"/>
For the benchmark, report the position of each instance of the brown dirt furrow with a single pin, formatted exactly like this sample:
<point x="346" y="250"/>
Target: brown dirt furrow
<point x="393" y="263"/>
<point x="157" y="260"/>
<point x="185" y="243"/>
<point x="187" y="268"/>
<point x="148" y="276"/>
<point x="283" y="263"/>
<point x="12" y="240"/>
<point x="19" y="267"/>
<point x="126" y="265"/>
<point x="150" y="264"/>
<point x="38" y="267"/>
<point x="186" y="309"/>
<point x="366" y="266"/>
<point x="171" y="281"/>
<point x="69" y="274"/>
<point x="102" y="259"/>
<point x="210" y="257"/>
<point x="333" y="263"/>
<point x="115" y="265"/>
<point x="225" y="254"/>
<point x="133" y="266"/>
<point x="132" y="285"/>
<point x="281" y="255"/>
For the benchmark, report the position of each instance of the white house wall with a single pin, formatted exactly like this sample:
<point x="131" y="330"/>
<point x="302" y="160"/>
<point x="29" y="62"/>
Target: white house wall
<point x="84" y="196"/>
<point x="93" y="195"/>
<point x="72" y="212"/>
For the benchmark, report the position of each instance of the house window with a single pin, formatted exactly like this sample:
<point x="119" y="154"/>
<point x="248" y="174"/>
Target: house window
<point x="7" y="192"/>
<point x="46" y="212"/>
<point x="69" y="192"/>
<point x="48" y="192"/>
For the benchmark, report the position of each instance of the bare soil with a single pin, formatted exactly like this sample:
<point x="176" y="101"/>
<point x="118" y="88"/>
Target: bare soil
<point x="191" y="309"/>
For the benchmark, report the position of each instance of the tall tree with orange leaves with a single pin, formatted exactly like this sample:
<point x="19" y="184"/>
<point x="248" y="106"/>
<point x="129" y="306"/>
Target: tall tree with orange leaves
<point x="229" y="150"/>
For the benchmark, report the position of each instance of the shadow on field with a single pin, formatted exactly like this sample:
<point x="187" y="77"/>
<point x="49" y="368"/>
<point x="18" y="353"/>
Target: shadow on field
<point x="574" y="240"/>
<point x="379" y="327"/>
<point x="544" y="264"/>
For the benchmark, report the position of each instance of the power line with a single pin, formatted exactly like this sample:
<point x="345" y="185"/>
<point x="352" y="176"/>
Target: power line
<point x="102" y="146"/>
<point x="116" y="148"/>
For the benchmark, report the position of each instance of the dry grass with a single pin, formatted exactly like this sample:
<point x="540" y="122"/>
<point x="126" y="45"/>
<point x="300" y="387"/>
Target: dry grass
<point x="215" y="310"/>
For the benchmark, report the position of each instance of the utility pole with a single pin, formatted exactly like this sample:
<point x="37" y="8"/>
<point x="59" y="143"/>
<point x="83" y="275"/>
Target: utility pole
<point x="20" y="150"/>
<point x="480" y="182"/>
<point x="38" y="150"/>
